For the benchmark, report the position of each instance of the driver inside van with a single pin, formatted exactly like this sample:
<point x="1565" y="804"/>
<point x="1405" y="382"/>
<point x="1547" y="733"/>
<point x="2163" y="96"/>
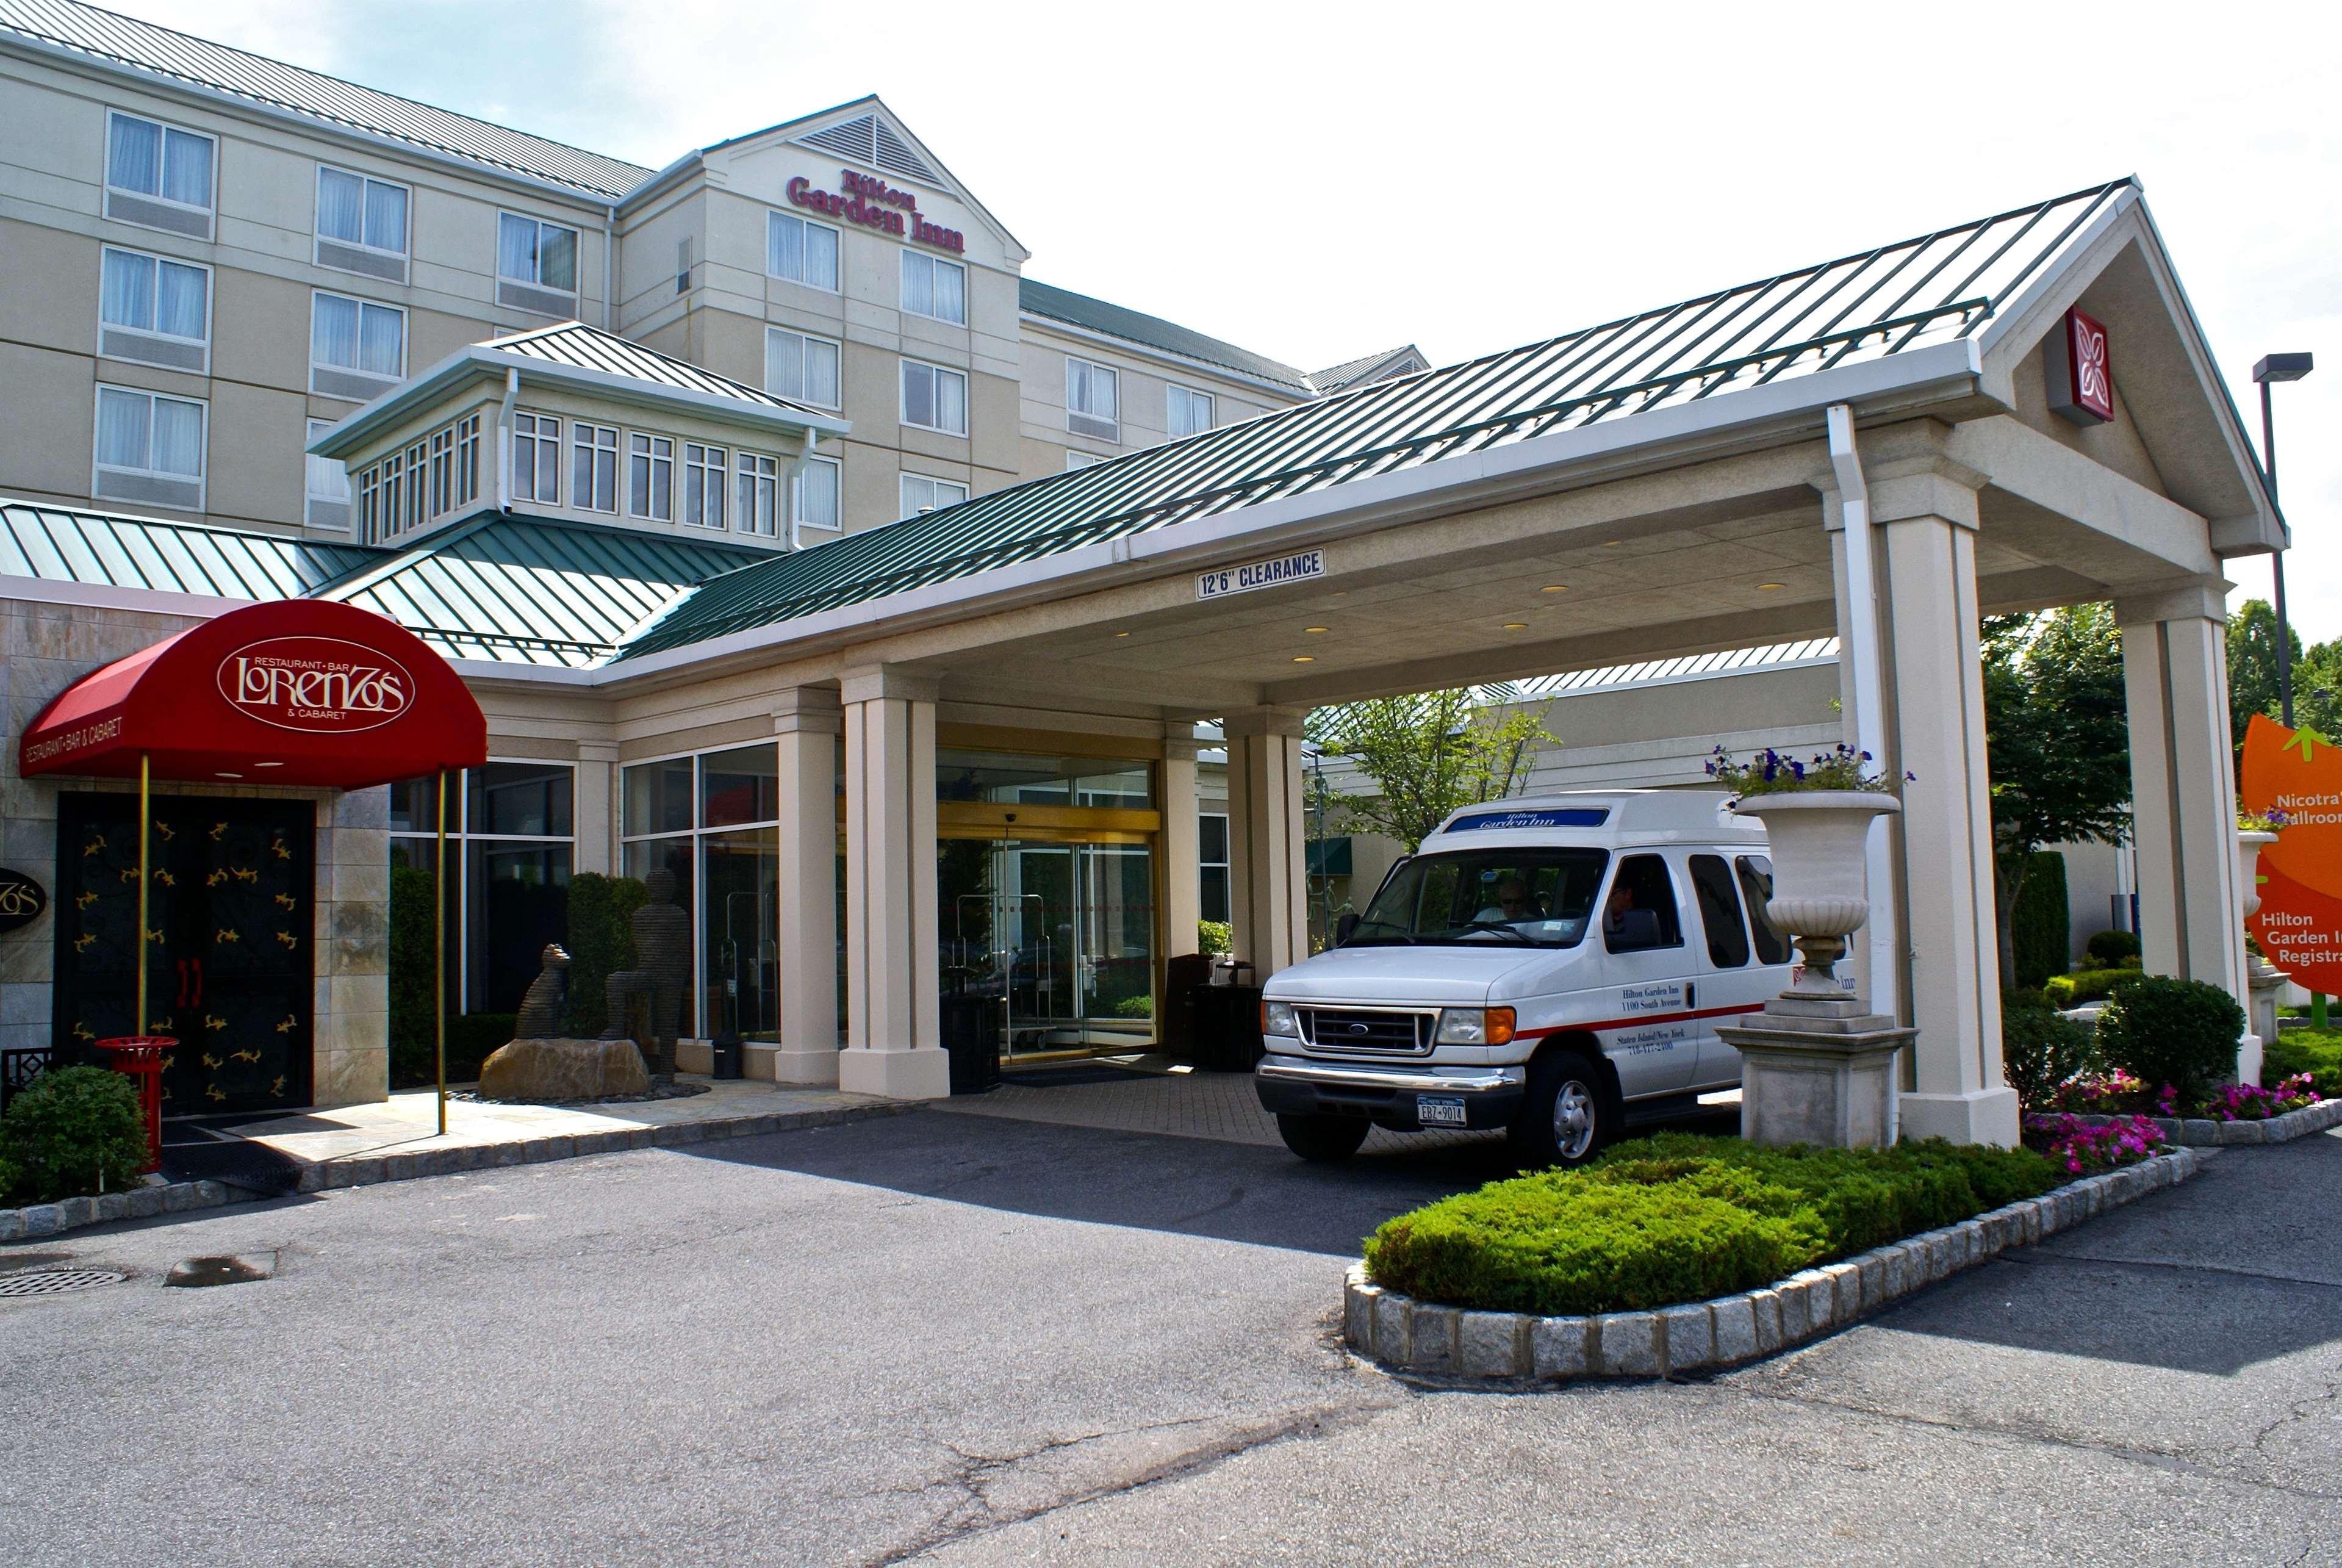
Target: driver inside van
<point x="1514" y="903"/>
<point x="1614" y="914"/>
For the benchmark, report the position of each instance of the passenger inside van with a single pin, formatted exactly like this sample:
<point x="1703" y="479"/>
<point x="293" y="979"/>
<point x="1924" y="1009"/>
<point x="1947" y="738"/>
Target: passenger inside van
<point x="1514" y="903"/>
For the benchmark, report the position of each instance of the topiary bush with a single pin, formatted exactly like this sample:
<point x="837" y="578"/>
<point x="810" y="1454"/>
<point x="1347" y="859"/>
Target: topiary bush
<point x="2175" y="1033"/>
<point x="2041" y="929"/>
<point x="75" y="1132"/>
<point x="2109" y="949"/>
<point x="2039" y="1051"/>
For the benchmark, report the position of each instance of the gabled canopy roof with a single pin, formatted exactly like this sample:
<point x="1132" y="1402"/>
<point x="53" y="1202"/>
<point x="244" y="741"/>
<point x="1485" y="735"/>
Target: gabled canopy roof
<point x="58" y="544"/>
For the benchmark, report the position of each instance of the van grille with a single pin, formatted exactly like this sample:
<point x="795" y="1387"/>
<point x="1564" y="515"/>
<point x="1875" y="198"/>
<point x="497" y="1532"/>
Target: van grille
<point x="1376" y="1030"/>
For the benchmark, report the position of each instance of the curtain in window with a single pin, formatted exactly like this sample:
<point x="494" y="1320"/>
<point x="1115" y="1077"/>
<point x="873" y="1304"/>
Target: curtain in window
<point x="127" y="290"/>
<point x="785" y="248"/>
<point x="821" y="372"/>
<point x="386" y="216"/>
<point x="951" y="292"/>
<point x="1101" y="400"/>
<point x="187" y="168"/>
<point x="556" y="258"/>
<point x="179" y="300"/>
<point x="341" y="207"/>
<point x="919" y="284"/>
<point x="334" y="331"/>
<point x="382" y="339"/>
<point x="918" y="394"/>
<point x="134" y="155"/>
<point x="821" y="257"/>
<point x="818" y="494"/>
<point x="178" y="438"/>
<point x="951" y="402"/>
<point x="123" y="422"/>
<point x="516" y="248"/>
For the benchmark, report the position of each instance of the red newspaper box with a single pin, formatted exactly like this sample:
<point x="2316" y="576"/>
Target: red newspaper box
<point x="140" y="1057"/>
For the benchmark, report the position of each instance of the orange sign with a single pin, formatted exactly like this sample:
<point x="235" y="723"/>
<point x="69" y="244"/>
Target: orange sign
<point x="2295" y="776"/>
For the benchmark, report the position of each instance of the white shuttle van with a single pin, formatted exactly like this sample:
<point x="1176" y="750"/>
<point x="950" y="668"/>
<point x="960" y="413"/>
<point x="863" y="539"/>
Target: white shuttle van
<point x="1556" y="966"/>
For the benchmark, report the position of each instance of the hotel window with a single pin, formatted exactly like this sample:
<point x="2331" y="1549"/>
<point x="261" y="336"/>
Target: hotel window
<point x="327" y="503"/>
<point x="149" y="448"/>
<point x="921" y="494"/>
<point x="380" y="490"/>
<point x="536" y="264"/>
<point x="1081" y="460"/>
<point x="759" y="509"/>
<point x="158" y="175"/>
<point x="414" y="513"/>
<point x="357" y="349"/>
<point x="537" y="458"/>
<point x="456" y="465"/>
<point x="1188" y="412"/>
<point x="361" y="224"/>
<point x="1092" y="406"/>
<point x="713" y="821"/>
<point x="703" y="485"/>
<point x="816" y="492"/>
<point x="593" y="468"/>
<point x="510" y="837"/>
<point x="650" y="477"/>
<point x="443" y="470"/>
<point x="800" y="368"/>
<point x="934" y="287"/>
<point x="153" y="310"/>
<point x="801" y="252"/>
<point x="935" y="398"/>
<point x="1212" y="854"/>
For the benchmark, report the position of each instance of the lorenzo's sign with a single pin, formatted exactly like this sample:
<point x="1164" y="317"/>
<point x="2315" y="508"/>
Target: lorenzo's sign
<point x="2080" y="378"/>
<point x="874" y="204"/>
<point x="321" y="684"/>
<point x="2299" y="773"/>
<point x="1260" y="573"/>
<point x="22" y="900"/>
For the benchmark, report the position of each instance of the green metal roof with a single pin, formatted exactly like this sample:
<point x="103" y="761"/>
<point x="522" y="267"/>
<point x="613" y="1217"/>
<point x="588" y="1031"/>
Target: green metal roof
<point x="1935" y="288"/>
<point x="1154" y="332"/>
<point x="534" y="590"/>
<point x="60" y="544"/>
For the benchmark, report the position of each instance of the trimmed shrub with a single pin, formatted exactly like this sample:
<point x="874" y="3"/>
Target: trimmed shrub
<point x="2182" y="1033"/>
<point x="1681" y="1218"/>
<point x="1135" y="1007"/>
<point x="601" y="942"/>
<point x="2108" y="949"/>
<point x="2042" y="927"/>
<point x="1214" y="936"/>
<point x="75" y="1132"/>
<point x="11" y="1179"/>
<point x="472" y="1039"/>
<point x="2039" y="1051"/>
<point x="412" y="969"/>
<point x="2318" y="1052"/>
<point x="2084" y="985"/>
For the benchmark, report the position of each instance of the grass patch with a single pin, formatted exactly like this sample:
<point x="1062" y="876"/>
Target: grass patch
<point x="2315" y="1052"/>
<point x="1681" y="1218"/>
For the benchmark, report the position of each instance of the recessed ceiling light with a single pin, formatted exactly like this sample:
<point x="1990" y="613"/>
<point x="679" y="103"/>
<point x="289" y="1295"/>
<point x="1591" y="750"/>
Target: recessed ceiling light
<point x="268" y="765"/>
<point x="1769" y="586"/>
<point x="1612" y="544"/>
<point x="1517" y="626"/>
<point x="231" y="775"/>
<point x="1316" y="629"/>
<point x="1122" y="634"/>
<point x="1305" y="658"/>
<point x="1554" y="587"/>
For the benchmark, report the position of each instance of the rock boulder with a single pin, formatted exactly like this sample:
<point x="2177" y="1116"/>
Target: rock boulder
<point x="540" y="1070"/>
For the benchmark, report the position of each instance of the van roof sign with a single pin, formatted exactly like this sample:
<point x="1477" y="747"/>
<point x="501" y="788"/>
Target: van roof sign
<point x="1566" y="816"/>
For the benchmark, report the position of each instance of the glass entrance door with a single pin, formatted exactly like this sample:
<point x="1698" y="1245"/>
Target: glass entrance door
<point x="1049" y="947"/>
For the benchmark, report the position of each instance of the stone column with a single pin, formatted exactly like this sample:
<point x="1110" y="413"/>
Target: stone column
<point x="807" y="722"/>
<point x="1180" y="848"/>
<point x="2184" y="791"/>
<point x="894" y="1032"/>
<point x="595" y="815"/>
<point x="1925" y="510"/>
<point x="1267" y="876"/>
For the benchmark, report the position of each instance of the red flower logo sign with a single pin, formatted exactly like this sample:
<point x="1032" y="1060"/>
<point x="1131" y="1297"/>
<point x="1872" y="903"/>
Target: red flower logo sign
<point x="2090" y="365"/>
<point x="323" y="684"/>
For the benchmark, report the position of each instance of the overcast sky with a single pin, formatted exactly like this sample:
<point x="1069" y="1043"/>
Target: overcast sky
<point x="1316" y="183"/>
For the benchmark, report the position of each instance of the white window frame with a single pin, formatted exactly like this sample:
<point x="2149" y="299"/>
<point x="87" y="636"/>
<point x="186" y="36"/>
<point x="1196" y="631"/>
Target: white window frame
<point x="201" y="476"/>
<point x="211" y="283"/>
<point x="210" y="204"/>
<point x="758" y="475"/>
<point x="655" y="453"/>
<point x="544" y="488"/>
<point x="317" y="229"/>
<point x="362" y="305"/>
<point x="576" y="289"/>
<point x="773" y="221"/>
<point x="796" y="488"/>
<point x="918" y="260"/>
<point x="924" y="490"/>
<point x="332" y="475"/>
<point x="934" y="397"/>
<point x="1078" y="459"/>
<point x="584" y="434"/>
<point x="1175" y="396"/>
<point x="1113" y="379"/>
<point x="805" y="342"/>
<point x="711" y="466"/>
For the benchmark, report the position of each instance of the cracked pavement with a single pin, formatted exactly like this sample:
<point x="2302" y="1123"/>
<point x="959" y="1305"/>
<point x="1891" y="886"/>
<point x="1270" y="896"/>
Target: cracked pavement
<point x="950" y="1339"/>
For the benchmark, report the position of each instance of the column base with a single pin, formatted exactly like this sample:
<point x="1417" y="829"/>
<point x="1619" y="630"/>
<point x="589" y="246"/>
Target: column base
<point x="2248" y="1059"/>
<point x="1818" y="1075"/>
<point x="805" y="1064"/>
<point x="1979" y="1116"/>
<point x="895" y="1072"/>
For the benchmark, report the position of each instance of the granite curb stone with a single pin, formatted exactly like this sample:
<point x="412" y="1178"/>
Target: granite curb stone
<point x="1461" y="1345"/>
<point x="2198" y="1133"/>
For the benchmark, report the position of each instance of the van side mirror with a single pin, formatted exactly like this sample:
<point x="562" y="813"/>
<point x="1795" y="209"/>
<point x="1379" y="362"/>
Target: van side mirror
<point x="1345" y="928"/>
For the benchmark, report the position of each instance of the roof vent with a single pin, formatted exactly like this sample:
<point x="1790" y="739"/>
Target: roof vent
<point x="853" y="138"/>
<point x="896" y="156"/>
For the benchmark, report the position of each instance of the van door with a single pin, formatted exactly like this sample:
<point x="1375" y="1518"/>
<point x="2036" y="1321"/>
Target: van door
<point x="1652" y="1040"/>
<point x="1733" y="980"/>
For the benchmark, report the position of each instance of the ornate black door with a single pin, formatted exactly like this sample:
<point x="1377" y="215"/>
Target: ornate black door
<point x="228" y="933"/>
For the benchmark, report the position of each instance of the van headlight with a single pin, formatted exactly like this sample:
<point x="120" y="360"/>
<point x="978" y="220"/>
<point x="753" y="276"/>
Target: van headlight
<point x="1476" y="1026"/>
<point x="1276" y="1018"/>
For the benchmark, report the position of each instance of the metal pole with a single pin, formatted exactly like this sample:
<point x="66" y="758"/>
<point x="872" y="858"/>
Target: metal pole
<point x="144" y="877"/>
<point x="439" y="951"/>
<point x="2277" y="568"/>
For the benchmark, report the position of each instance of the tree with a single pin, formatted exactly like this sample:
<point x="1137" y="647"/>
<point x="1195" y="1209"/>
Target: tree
<point x="2057" y="742"/>
<point x="1428" y="755"/>
<point x="2252" y="675"/>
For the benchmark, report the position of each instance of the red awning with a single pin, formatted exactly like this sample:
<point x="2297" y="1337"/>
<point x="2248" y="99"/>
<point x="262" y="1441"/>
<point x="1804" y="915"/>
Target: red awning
<point x="298" y="692"/>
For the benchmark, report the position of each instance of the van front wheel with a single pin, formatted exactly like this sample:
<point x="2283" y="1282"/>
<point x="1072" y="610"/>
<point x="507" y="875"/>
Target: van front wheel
<point x="1323" y="1139"/>
<point x="1566" y="1117"/>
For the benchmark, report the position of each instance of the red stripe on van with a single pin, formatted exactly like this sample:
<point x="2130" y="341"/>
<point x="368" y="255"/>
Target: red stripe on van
<point x="1638" y="1022"/>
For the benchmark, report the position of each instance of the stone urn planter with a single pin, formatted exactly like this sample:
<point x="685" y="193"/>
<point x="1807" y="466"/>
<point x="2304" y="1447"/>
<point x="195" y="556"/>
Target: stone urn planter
<point x="1815" y="839"/>
<point x="2250" y="842"/>
<point x="2264" y="982"/>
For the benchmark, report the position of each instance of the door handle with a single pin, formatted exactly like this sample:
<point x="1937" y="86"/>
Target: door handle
<point x="1691" y="993"/>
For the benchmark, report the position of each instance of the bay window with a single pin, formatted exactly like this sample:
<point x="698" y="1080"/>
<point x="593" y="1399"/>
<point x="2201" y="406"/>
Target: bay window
<point x="703" y="485"/>
<point x="759" y="511"/>
<point x="537" y="458"/>
<point x="650" y="477"/>
<point x="594" y="467"/>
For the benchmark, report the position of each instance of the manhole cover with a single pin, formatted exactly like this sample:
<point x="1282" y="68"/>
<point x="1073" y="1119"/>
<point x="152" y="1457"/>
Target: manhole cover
<point x="49" y="1282"/>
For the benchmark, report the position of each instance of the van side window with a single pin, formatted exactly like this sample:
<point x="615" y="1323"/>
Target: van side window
<point x="1641" y="913"/>
<point x="1757" y="882"/>
<point x="1719" y="912"/>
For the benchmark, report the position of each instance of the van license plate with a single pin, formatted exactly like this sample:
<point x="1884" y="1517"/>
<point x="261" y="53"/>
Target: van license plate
<point x="1439" y="1111"/>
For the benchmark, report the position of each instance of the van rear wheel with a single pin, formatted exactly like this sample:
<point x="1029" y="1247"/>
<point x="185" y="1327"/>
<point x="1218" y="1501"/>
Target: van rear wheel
<point x="1323" y="1139"/>
<point x="1566" y="1116"/>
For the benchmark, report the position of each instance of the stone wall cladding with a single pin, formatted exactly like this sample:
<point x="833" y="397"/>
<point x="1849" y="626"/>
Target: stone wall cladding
<point x="1456" y="1345"/>
<point x="2197" y="1133"/>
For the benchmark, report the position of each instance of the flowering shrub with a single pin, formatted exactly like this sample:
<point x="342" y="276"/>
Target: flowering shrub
<point x="1770" y="773"/>
<point x="2115" y="1093"/>
<point x="2119" y="1093"/>
<point x="2248" y="1102"/>
<point x="2269" y="821"/>
<point x="2081" y="1150"/>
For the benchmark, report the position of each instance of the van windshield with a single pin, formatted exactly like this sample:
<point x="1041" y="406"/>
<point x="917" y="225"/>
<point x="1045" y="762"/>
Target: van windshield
<point x="1524" y="897"/>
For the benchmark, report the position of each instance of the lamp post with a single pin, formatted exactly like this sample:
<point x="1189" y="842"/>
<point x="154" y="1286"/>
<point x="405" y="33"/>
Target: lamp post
<point x="2272" y="369"/>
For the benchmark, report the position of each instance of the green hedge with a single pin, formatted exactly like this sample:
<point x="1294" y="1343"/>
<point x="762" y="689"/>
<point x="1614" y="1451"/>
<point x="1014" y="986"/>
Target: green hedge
<point x="1680" y="1218"/>
<point x="2315" y="1052"/>
<point x="601" y="942"/>
<point x="2084" y="985"/>
<point x="2042" y="929"/>
<point x="73" y="1132"/>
